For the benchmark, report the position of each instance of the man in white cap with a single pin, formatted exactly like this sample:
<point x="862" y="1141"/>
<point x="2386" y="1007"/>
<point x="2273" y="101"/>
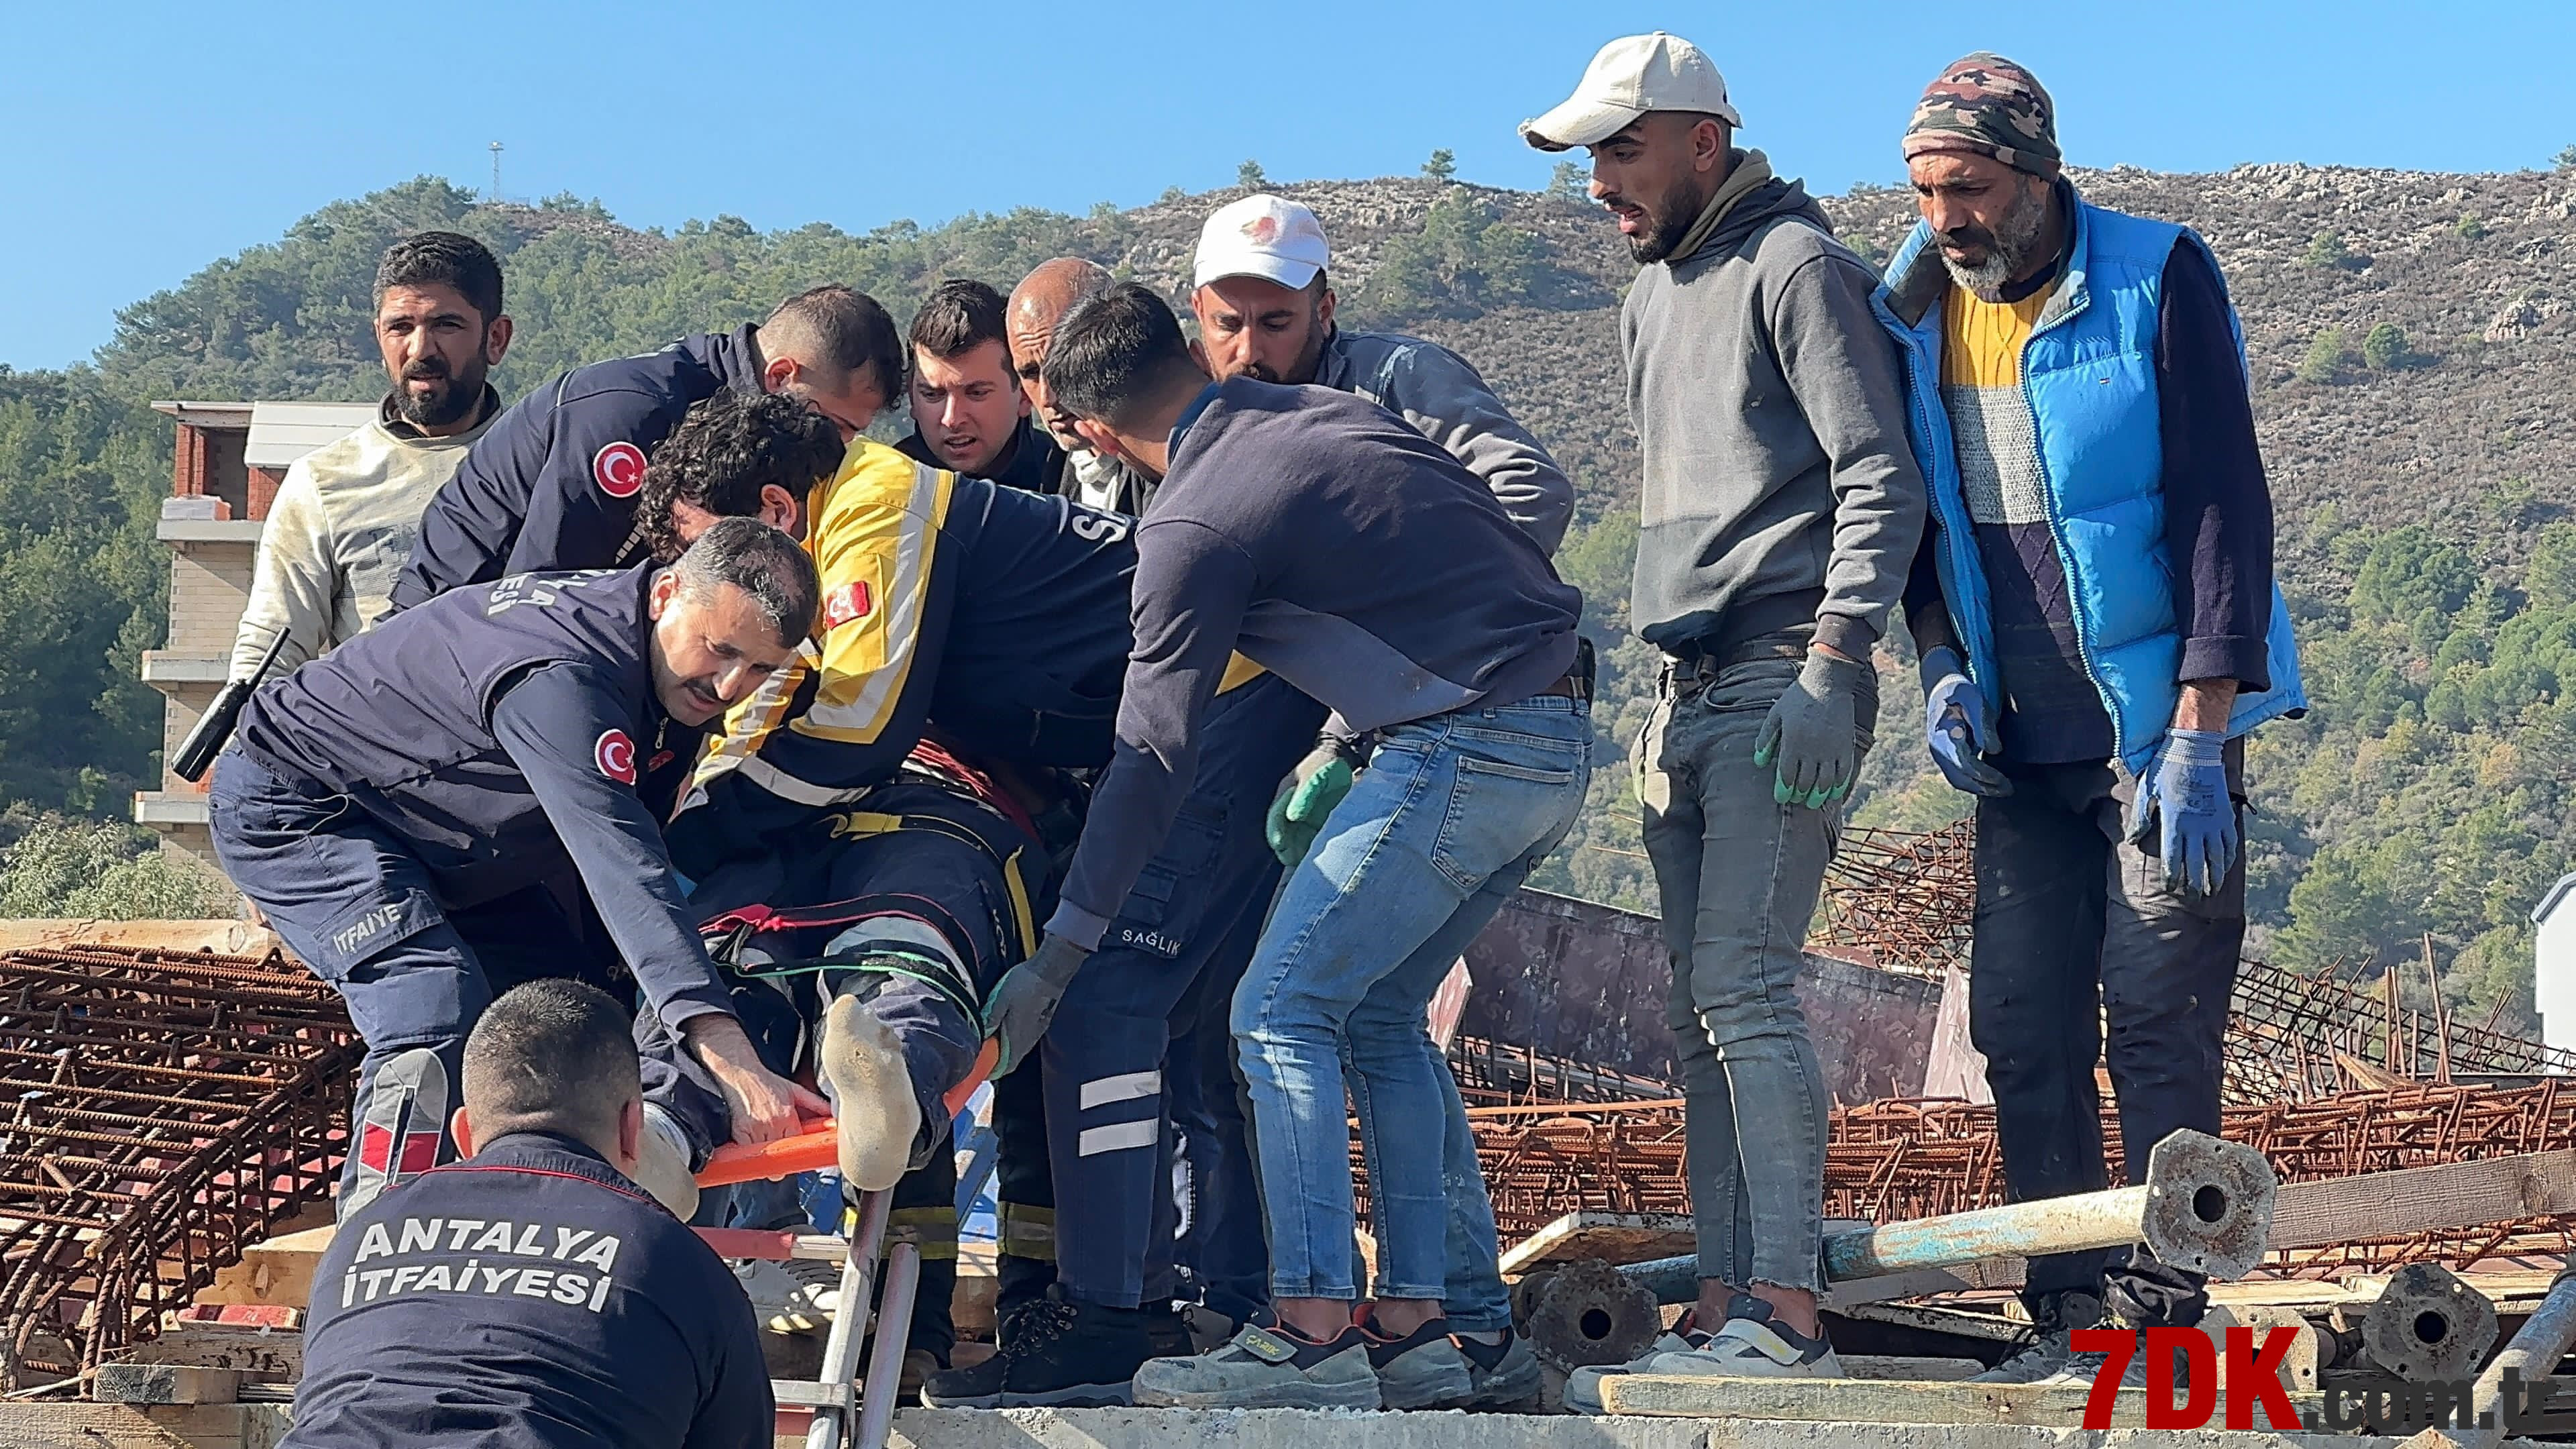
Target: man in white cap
<point x="1264" y="302"/>
<point x="1779" y="515"/>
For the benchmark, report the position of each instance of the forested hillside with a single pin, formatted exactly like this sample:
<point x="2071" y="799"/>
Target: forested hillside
<point x="2413" y="343"/>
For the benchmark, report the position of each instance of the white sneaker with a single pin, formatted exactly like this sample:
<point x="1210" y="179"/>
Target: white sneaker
<point x="871" y="1089"/>
<point x="1755" y="1346"/>
<point x="800" y="1295"/>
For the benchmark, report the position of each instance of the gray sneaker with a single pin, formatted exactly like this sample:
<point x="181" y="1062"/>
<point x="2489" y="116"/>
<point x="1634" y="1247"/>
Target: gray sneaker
<point x="1422" y="1370"/>
<point x="2042" y="1356"/>
<point x="1501" y="1373"/>
<point x="1265" y="1368"/>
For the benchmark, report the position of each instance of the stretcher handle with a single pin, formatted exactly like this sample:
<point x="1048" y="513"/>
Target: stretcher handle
<point x="819" y="1147"/>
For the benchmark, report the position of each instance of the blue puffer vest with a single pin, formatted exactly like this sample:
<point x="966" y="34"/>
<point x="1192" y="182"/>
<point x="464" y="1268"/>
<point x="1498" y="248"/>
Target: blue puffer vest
<point x="2089" y="372"/>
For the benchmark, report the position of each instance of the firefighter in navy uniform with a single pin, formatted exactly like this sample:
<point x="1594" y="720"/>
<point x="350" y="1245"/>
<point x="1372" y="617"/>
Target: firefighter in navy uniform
<point x="409" y="809"/>
<point x="531" y="1294"/>
<point x="553" y="484"/>
<point x="1001" y="618"/>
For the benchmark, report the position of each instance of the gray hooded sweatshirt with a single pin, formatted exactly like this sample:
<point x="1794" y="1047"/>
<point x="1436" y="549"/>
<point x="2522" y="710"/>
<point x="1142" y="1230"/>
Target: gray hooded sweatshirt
<point x="1770" y="405"/>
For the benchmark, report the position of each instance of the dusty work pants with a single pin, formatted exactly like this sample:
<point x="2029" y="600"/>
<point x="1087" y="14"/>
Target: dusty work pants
<point x="1739" y="874"/>
<point x="354" y="903"/>
<point x="2076" y="927"/>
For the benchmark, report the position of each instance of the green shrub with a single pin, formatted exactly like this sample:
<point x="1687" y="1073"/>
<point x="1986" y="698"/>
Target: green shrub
<point x="1568" y="183"/>
<point x="2326" y="249"/>
<point x="67" y="867"/>
<point x="1249" y="176"/>
<point x="2384" y="349"/>
<point x="2328" y="354"/>
<point x="2470" y="228"/>
<point x="1443" y="165"/>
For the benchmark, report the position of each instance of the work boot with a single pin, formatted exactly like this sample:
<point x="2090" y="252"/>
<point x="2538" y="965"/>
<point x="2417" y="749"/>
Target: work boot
<point x="2053" y="1320"/>
<point x="872" y="1102"/>
<point x="1500" y="1373"/>
<point x="799" y="1295"/>
<point x="1421" y="1369"/>
<point x="1060" y="1353"/>
<point x="1266" y="1368"/>
<point x="662" y="1164"/>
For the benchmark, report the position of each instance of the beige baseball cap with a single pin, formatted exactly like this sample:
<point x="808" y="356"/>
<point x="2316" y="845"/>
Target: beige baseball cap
<point x="1631" y="76"/>
<point x="1261" y="236"/>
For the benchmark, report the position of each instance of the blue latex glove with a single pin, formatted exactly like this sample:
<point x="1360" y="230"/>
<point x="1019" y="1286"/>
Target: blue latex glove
<point x="1954" y="726"/>
<point x="2185" y="790"/>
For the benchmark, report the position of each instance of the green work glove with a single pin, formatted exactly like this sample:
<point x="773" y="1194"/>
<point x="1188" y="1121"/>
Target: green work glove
<point x="1023" y="1002"/>
<point x="1813" y="732"/>
<point x="1307" y="797"/>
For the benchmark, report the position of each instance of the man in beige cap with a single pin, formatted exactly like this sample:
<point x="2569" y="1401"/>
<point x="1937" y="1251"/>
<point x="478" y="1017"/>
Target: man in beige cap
<point x="1779" y="515"/>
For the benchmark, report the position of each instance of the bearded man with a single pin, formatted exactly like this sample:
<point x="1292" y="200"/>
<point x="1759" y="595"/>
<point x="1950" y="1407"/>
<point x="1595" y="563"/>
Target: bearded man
<point x="1780" y="513"/>
<point x="2099" y="629"/>
<point x="346" y="514"/>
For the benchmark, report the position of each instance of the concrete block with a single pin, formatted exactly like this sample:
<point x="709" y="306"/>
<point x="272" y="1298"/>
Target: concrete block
<point x="1279" y="1429"/>
<point x="167" y="1383"/>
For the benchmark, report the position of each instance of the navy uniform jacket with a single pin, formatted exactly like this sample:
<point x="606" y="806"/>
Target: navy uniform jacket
<point x="505" y="733"/>
<point x="552" y="486"/>
<point x="527" y="1296"/>
<point x="1033" y="463"/>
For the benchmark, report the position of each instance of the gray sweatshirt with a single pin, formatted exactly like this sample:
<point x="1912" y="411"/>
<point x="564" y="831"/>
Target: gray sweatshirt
<point x="1324" y="540"/>
<point x="1770" y="406"/>
<point x="1436" y="391"/>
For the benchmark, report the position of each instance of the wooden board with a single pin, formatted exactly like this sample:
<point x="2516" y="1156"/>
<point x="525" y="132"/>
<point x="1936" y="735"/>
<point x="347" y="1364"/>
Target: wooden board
<point x="127" y="1426"/>
<point x="278" y="1272"/>
<point x="2452" y="1195"/>
<point x="1611" y="1237"/>
<point x="231" y="938"/>
<point x="166" y="1383"/>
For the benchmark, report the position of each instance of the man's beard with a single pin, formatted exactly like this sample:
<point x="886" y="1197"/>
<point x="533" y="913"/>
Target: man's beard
<point x="441" y="406"/>
<point x="2010" y="247"/>
<point x="1310" y="361"/>
<point x="1673" y="216"/>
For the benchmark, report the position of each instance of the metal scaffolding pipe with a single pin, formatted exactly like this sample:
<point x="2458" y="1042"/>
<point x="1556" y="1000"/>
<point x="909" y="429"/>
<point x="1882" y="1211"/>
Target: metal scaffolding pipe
<point x="2206" y="1206"/>
<point x="2533" y="1354"/>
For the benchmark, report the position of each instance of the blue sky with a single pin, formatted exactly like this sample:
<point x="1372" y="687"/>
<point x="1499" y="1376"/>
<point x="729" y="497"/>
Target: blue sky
<point x="149" y="139"/>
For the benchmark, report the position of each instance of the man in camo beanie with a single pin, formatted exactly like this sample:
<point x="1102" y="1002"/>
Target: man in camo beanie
<point x="1987" y="104"/>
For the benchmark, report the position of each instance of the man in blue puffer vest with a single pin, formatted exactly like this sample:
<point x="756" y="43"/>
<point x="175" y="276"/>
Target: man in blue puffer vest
<point x="2099" y="629"/>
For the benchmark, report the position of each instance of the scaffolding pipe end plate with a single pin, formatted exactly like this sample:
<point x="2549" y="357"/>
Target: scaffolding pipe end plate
<point x="2209" y="1204"/>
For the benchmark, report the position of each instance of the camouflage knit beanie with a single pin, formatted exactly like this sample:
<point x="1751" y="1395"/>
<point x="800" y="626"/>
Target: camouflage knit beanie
<point x="1987" y="104"/>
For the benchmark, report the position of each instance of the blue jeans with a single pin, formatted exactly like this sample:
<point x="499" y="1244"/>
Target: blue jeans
<point x="1450" y="817"/>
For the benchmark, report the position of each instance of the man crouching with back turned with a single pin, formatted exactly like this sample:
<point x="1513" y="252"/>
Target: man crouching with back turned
<point x="532" y="1294"/>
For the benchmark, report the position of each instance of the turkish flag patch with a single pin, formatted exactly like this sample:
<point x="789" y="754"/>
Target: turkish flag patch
<point x="618" y="469"/>
<point x="849" y="601"/>
<point x="616" y="756"/>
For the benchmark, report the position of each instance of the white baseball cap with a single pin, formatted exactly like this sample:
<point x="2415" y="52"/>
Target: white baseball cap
<point x="1261" y="236"/>
<point x="1631" y="76"/>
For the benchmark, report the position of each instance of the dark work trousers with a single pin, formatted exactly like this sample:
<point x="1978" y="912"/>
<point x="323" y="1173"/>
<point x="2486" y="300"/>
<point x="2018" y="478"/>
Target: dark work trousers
<point x="1107" y="1120"/>
<point x="859" y="884"/>
<point x="2076" y="929"/>
<point x="353" y="902"/>
<point x="1224" y="1259"/>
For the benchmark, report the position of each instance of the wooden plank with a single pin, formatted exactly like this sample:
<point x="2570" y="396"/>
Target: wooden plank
<point x="128" y="1426"/>
<point x="274" y="1356"/>
<point x="278" y="1272"/>
<point x="166" y="1383"/>
<point x="1904" y="1368"/>
<point x="231" y="938"/>
<point x="2451" y="1195"/>
<point x="1611" y="1237"/>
